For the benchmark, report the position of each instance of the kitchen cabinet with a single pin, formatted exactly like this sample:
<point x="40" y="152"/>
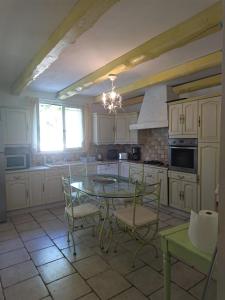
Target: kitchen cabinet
<point x="183" y="191"/>
<point x="16" y="126"/>
<point x="103" y="129"/>
<point x="110" y="129"/>
<point x="36" y="188"/>
<point x="183" y="119"/>
<point x="153" y="175"/>
<point x="124" y="169"/>
<point x="123" y="134"/>
<point x="17" y="191"/>
<point x="209" y="120"/>
<point x="208" y="173"/>
<point x="109" y="169"/>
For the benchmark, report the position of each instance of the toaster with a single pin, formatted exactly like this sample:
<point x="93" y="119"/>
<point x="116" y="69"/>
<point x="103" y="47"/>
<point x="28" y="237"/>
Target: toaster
<point x="123" y="155"/>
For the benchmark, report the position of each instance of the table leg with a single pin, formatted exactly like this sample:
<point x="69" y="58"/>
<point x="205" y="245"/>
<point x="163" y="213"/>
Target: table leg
<point x="167" y="275"/>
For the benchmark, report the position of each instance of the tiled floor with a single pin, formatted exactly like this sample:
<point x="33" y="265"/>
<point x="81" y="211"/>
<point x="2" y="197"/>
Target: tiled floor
<point x="36" y="262"/>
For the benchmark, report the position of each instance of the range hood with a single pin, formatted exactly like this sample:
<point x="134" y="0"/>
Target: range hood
<point x="153" y="113"/>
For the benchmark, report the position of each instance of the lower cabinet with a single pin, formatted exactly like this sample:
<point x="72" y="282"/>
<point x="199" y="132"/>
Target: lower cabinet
<point x="36" y="188"/>
<point x="182" y="192"/>
<point x="124" y="169"/>
<point x="208" y="172"/>
<point x="109" y="169"/>
<point x="53" y="189"/>
<point x="17" y="194"/>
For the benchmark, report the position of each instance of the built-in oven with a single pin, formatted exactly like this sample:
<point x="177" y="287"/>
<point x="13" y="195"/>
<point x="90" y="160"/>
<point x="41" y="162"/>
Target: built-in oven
<point x="183" y="155"/>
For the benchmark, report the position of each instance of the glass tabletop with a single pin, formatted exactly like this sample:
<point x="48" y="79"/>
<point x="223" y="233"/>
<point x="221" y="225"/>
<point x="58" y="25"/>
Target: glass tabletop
<point x="108" y="186"/>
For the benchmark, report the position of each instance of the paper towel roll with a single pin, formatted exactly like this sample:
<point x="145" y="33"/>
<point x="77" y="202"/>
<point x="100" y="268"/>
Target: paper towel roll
<point x="203" y="230"/>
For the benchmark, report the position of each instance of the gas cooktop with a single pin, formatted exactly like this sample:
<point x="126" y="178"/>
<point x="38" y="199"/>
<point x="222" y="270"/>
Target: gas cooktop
<point x="154" y="162"/>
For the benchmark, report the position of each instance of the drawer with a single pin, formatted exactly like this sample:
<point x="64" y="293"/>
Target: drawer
<point x="16" y="176"/>
<point x="183" y="176"/>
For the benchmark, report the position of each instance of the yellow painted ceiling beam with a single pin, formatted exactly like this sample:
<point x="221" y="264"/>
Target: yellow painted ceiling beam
<point x="188" y="68"/>
<point x="81" y="17"/>
<point x="204" y="23"/>
<point x="198" y="84"/>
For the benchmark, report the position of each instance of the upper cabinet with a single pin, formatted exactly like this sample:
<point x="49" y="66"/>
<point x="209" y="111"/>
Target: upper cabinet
<point x="183" y="119"/>
<point x="103" y="129"/>
<point x="195" y="119"/>
<point x="209" y="120"/>
<point x="110" y="129"/>
<point x="16" y="126"/>
<point x="123" y="134"/>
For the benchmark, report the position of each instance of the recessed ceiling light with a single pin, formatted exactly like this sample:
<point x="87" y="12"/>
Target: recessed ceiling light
<point x="79" y="88"/>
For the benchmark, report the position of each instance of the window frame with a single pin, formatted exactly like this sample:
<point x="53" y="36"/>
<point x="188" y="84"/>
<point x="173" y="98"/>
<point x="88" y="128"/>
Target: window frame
<point x="64" y="106"/>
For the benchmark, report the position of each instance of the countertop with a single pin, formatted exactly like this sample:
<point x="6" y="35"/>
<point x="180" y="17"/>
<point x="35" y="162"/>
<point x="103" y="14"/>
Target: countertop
<point x="74" y="163"/>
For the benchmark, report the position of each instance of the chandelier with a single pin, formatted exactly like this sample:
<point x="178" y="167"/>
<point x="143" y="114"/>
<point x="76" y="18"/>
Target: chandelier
<point x="112" y="101"/>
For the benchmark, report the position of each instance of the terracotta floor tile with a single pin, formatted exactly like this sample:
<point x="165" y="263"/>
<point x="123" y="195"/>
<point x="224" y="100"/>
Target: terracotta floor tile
<point x="43" y="256"/>
<point x="55" y="270"/>
<point x="13" y="257"/>
<point x="10" y="245"/>
<point x="32" y="288"/>
<point x="17" y="273"/>
<point x="69" y="288"/>
<point x="146" y="280"/>
<point x="32" y="234"/>
<point x="91" y="266"/>
<point x="108" y="284"/>
<point x="38" y="243"/>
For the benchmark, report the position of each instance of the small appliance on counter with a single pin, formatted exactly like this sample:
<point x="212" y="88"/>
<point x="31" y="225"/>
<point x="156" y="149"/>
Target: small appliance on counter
<point x="123" y="156"/>
<point x="17" y="157"/>
<point x="112" y="154"/>
<point x="136" y="153"/>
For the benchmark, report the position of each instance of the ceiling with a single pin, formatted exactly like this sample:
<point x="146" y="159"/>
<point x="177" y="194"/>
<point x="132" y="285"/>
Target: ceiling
<point x="25" y="26"/>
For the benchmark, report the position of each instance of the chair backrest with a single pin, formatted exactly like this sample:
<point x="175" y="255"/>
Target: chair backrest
<point x="80" y="170"/>
<point x="136" y="173"/>
<point x="67" y="192"/>
<point x="150" y="190"/>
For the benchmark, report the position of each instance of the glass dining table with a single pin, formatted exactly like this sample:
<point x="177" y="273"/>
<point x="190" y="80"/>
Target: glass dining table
<point x="106" y="189"/>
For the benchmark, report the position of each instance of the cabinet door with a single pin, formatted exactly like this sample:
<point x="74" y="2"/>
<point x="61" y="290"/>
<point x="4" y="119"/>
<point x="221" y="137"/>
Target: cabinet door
<point x="133" y="134"/>
<point x="16" y="126"/>
<point x="36" y="186"/>
<point x="189" y="196"/>
<point x="53" y="189"/>
<point x="106" y="129"/>
<point x="17" y="194"/>
<point x="209" y="120"/>
<point x="175" y="193"/>
<point x="162" y="175"/>
<point x="208" y="171"/>
<point x="121" y="129"/>
<point x="190" y="119"/>
<point x="175" y="119"/>
<point x="150" y="176"/>
<point x="124" y="169"/>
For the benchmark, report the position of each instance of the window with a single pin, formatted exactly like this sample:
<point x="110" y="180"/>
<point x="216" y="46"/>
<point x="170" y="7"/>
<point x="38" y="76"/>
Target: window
<point x="61" y="127"/>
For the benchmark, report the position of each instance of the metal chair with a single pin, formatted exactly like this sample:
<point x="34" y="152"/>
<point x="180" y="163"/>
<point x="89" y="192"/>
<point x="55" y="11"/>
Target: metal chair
<point x="138" y="219"/>
<point x="78" y="215"/>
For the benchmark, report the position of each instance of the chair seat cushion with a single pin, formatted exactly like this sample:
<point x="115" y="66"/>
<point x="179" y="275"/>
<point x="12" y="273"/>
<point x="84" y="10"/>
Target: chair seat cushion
<point x="82" y="210"/>
<point x="143" y="215"/>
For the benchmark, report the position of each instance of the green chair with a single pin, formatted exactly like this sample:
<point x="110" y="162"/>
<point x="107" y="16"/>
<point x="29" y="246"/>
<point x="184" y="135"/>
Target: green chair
<point x="138" y="219"/>
<point x="78" y="213"/>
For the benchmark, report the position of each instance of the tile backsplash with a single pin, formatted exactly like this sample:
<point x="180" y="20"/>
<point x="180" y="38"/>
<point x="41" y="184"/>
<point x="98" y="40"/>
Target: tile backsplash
<point x="154" y="144"/>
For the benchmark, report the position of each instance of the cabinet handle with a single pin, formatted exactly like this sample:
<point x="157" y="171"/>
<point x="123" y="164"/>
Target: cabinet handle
<point x="43" y="187"/>
<point x="199" y="121"/>
<point x="181" y="177"/>
<point x="16" y="177"/>
<point x="27" y="193"/>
